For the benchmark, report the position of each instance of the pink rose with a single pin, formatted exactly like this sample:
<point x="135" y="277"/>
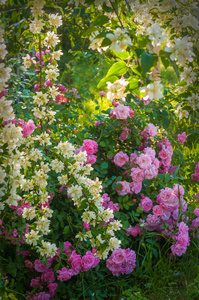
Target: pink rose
<point x="131" y="113"/>
<point x="196" y="211"/>
<point x="121" y="112"/>
<point x="144" y="161"/>
<point x="120" y="159"/>
<point x="48" y="275"/>
<point x="182" y="138"/>
<point x="136" y="187"/>
<point x="39" y="267"/>
<point x="91" y="159"/>
<point x="64" y="274"/>
<point x="87" y="261"/>
<point x="157" y="210"/>
<point x="150" y="152"/>
<point x="124" y="135"/>
<point x="146" y="203"/>
<point x="195" y="176"/>
<point x="151" y="172"/>
<point x="28" y="128"/>
<point x="52" y="289"/>
<point x="178" y="249"/>
<point x="152" y="130"/>
<point x="152" y="222"/>
<point x="90" y="146"/>
<point x="168" y="198"/>
<point x="34" y="282"/>
<point x="125" y="189"/>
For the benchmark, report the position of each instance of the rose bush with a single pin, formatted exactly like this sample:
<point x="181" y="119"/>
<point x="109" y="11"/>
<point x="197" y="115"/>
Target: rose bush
<point x="63" y="216"/>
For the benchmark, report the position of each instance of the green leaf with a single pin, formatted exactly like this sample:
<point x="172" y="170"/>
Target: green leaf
<point x="66" y="229"/>
<point x="106" y="42"/>
<point x="119" y="68"/>
<point x="139" y="209"/>
<point x="104" y="165"/>
<point x="100" y="20"/>
<point x="164" y="58"/>
<point x="147" y="61"/>
<point x="103" y="81"/>
<point x="123" y="55"/>
<point x="133" y="83"/>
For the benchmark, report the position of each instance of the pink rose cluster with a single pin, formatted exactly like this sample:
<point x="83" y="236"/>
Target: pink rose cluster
<point x="170" y="201"/>
<point x="45" y="281"/>
<point x="78" y="264"/>
<point x="121" y="261"/>
<point x="122" y="112"/>
<point x="182" y="138"/>
<point x="12" y="235"/>
<point x="145" y="166"/>
<point x="109" y="204"/>
<point x="91" y="147"/>
<point x="195" y="176"/>
<point x="181" y="240"/>
<point x="165" y="155"/>
<point x="164" y="218"/>
<point x="61" y="97"/>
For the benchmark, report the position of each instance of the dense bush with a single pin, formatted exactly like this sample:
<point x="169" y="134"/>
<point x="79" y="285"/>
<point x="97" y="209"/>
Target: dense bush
<point x="98" y="176"/>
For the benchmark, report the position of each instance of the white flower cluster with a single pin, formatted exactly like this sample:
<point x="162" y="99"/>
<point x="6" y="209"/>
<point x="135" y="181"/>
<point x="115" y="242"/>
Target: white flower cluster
<point x="85" y="190"/>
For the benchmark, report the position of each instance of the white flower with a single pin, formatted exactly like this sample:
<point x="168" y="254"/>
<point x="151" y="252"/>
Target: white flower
<point x="66" y="149"/>
<point x="56" y="54"/>
<point x="116" y="89"/>
<point x="36" y="26"/>
<point x="3" y="51"/>
<point x="43" y="225"/>
<point x="2" y="175"/>
<point x="156" y="34"/>
<point x="52" y="73"/>
<point x="152" y="91"/>
<point x="6" y="110"/>
<point x="40" y="99"/>
<point x="119" y="40"/>
<point x="81" y="156"/>
<point x="32" y="237"/>
<point x="29" y="213"/>
<point x="55" y="20"/>
<point x="57" y="165"/>
<point x="37" y="8"/>
<point x="63" y="179"/>
<point x="114" y="243"/>
<point x="47" y="249"/>
<point x="75" y="191"/>
<point x="51" y="40"/>
<point x="193" y="101"/>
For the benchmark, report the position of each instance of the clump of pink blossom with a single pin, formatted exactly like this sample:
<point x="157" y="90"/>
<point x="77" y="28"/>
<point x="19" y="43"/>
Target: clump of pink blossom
<point x="120" y="159"/>
<point x="146" y="203"/>
<point x="124" y="189"/>
<point x="165" y="155"/>
<point x="122" y="112"/>
<point x="121" y="261"/>
<point x="195" y="176"/>
<point x="182" y="138"/>
<point x="181" y="240"/>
